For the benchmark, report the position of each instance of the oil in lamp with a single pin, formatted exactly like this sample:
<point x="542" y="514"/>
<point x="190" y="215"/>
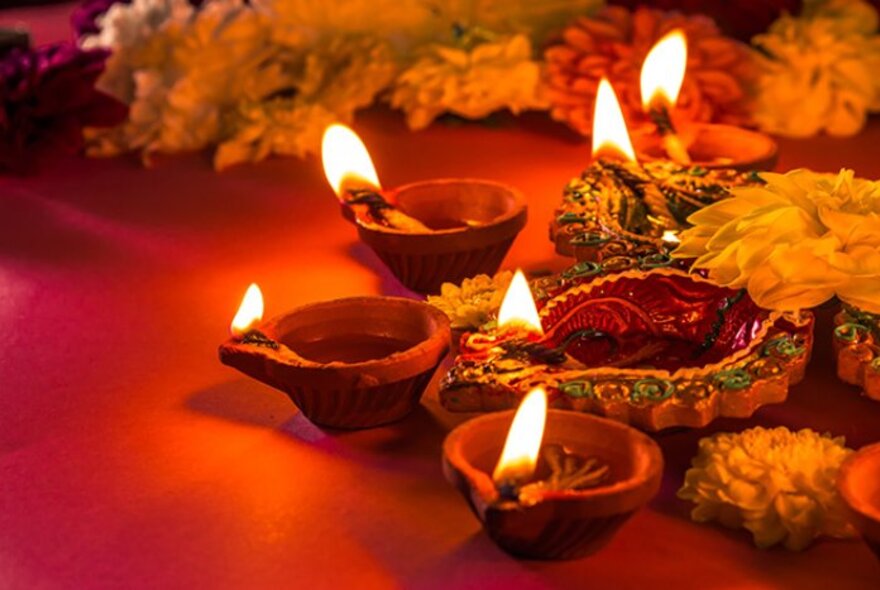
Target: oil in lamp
<point x="427" y="233"/>
<point x="704" y="145"/>
<point x="562" y="484"/>
<point x="348" y="363"/>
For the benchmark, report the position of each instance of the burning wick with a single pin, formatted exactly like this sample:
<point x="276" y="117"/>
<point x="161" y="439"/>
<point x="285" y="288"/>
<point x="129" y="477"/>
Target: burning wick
<point x="248" y="316"/>
<point x="660" y="82"/>
<point x="350" y="172"/>
<point x="610" y="137"/>
<point x="520" y="454"/>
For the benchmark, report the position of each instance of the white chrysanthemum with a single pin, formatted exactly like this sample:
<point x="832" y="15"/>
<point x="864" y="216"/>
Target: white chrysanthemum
<point x="472" y="83"/>
<point x="475" y="302"/>
<point x="820" y="71"/>
<point x="795" y="242"/>
<point x="778" y="484"/>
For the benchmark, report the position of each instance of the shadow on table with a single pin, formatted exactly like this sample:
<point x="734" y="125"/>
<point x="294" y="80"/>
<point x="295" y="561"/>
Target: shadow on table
<point x="243" y="401"/>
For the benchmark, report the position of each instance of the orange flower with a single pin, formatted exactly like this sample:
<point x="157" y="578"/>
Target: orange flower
<point x="718" y="85"/>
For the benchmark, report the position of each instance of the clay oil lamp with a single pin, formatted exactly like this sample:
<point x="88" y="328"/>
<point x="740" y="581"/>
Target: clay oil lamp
<point x="859" y="486"/>
<point x="706" y="146"/>
<point x="564" y="483"/>
<point x="348" y="363"/>
<point x="856" y="350"/>
<point x="656" y="349"/>
<point x="623" y="214"/>
<point x="427" y="233"/>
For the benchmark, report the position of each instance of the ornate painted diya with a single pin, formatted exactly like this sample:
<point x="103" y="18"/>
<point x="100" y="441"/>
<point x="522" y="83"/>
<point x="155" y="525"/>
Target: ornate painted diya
<point x="560" y="500"/>
<point x="856" y="349"/>
<point x="655" y="349"/>
<point x="859" y="486"/>
<point x="349" y="363"/>
<point x="426" y="233"/>
<point x="620" y="209"/>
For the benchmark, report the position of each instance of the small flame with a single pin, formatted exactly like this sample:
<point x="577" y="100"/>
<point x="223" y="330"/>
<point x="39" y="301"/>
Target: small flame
<point x="250" y="312"/>
<point x="670" y="236"/>
<point x="518" y="307"/>
<point x="663" y="70"/>
<point x="520" y="454"/>
<point x="347" y="162"/>
<point x="609" y="127"/>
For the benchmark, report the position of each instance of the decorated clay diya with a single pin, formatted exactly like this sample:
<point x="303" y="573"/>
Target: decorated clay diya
<point x="426" y="233"/>
<point x="856" y="349"/>
<point x="349" y="363"/>
<point x="561" y="500"/>
<point x="859" y="486"/>
<point x="655" y="349"/>
<point x="619" y="208"/>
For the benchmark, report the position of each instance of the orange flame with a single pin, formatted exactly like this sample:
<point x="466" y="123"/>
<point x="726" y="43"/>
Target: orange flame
<point x="520" y="454"/>
<point x="610" y="137"/>
<point x="663" y="71"/>
<point x="347" y="162"/>
<point x="250" y="312"/>
<point x="518" y="307"/>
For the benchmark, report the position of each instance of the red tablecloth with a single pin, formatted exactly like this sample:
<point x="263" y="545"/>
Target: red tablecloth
<point x="130" y="458"/>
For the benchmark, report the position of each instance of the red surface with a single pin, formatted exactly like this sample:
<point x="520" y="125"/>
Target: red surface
<point x="129" y="457"/>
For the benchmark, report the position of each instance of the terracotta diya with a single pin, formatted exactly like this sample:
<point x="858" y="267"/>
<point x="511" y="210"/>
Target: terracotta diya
<point x="706" y="146"/>
<point x="856" y="349"/>
<point x="618" y="208"/>
<point x="560" y="500"/>
<point x="349" y="363"/>
<point x="656" y="349"/>
<point x="426" y="233"/>
<point x="859" y="486"/>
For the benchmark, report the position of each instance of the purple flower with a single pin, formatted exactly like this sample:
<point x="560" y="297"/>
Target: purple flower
<point x="47" y="95"/>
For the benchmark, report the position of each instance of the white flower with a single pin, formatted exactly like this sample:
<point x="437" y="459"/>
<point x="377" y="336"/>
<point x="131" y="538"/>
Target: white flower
<point x="795" y="242"/>
<point x="778" y="484"/>
<point x="820" y="71"/>
<point x="472" y="83"/>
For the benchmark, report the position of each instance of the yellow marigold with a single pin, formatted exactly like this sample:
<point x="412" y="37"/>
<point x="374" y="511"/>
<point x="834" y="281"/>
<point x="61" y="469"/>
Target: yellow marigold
<point x="819" y="70"/>
<point x="475" y="302"/>
<point x="778" y="484"/>
<point x="470" y="82"/>
<point x="794" y="242"/>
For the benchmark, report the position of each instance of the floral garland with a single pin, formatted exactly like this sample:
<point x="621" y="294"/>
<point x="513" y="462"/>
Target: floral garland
<point x="253" y="78"/>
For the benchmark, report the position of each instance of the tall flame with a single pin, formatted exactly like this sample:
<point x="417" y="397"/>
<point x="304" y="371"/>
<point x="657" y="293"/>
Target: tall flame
<point x="250" y="312"/>
<point x="610" y="136"/>
<point x="663" y="71"/>
<point x="518" y="307"/>
<point x="347" y="162"/>
<point x="520" y="454"/>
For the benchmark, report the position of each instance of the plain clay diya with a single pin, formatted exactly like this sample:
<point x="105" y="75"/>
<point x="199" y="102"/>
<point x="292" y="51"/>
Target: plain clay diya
<point x="349" y="363"/>
<point x="859" y="486"/>
<point x="555" y="523"/>
<point x="469" y="226"/>
<point x="656" y="349"/>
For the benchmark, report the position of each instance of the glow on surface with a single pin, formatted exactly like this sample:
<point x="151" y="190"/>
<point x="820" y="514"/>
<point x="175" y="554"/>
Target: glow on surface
<point x="610" y="137"/>
<point x="663" y="71"/>
<point x="250" y="312"/>
<point x="347" y="162"/>
<point x="518" y="307"/>
<point x="520" y="454"/>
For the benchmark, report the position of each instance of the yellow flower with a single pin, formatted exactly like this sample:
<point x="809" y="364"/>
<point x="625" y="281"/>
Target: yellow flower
<point x="819" y="70"/>
<point x="794" y="242"/>
<point x="475" y="302"/>
<point x="472" y="83"/>
<point x="777" y="484"/>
